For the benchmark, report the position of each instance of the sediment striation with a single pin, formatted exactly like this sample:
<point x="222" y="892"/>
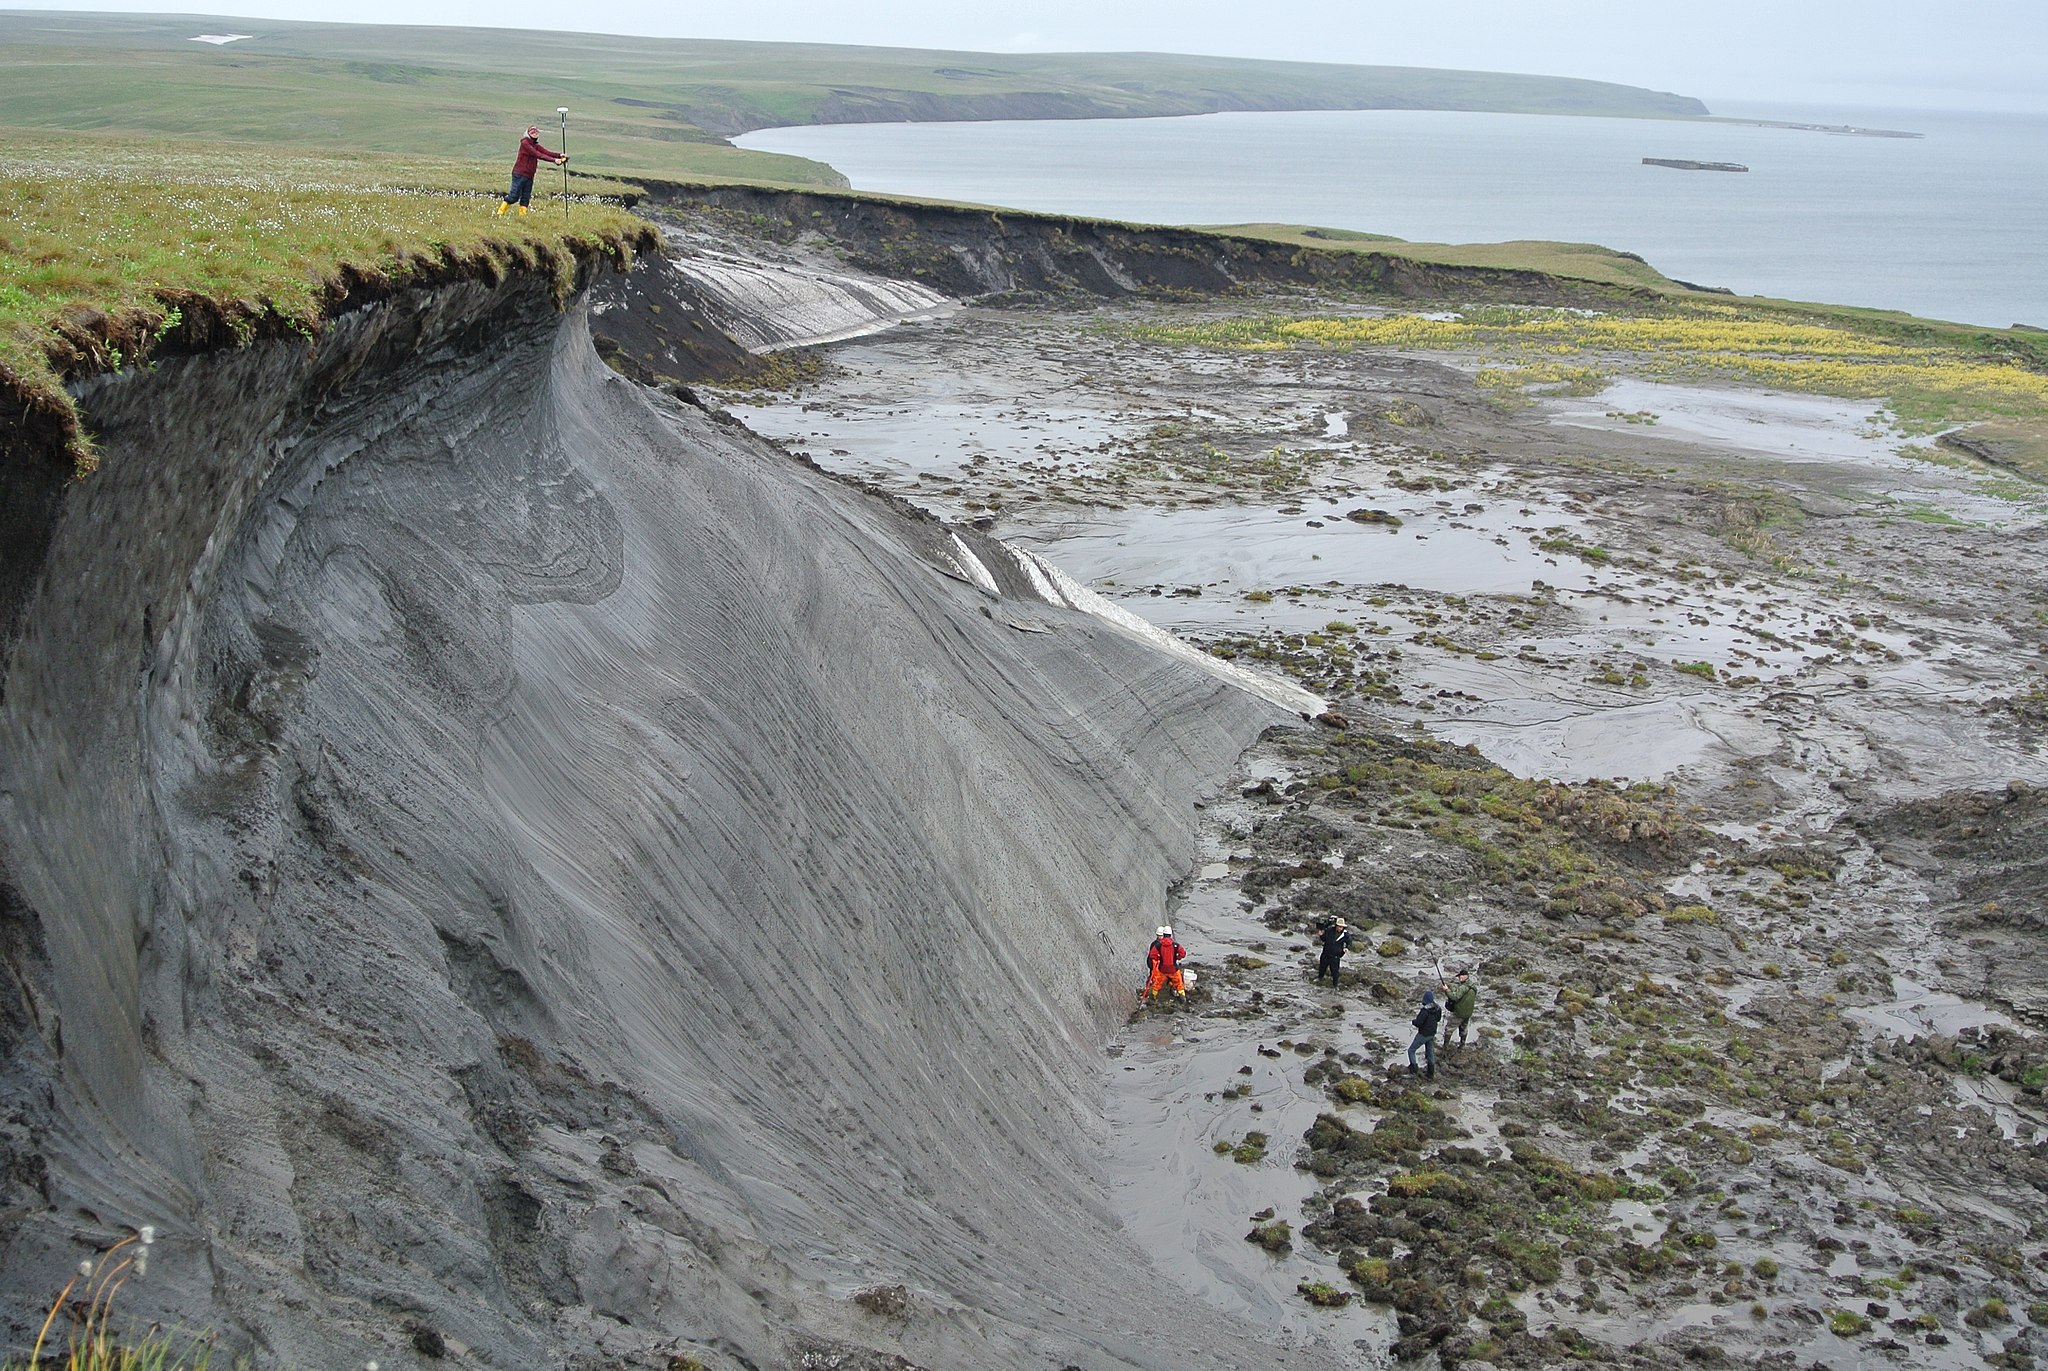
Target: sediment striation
<point x="498" y="860"/>
<point x="677" y="322"/>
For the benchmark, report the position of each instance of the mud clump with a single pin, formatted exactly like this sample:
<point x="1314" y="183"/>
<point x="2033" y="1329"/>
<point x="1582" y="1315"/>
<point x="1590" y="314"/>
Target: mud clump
<point x="1276" y="1236"/>
<point x="888" y="1301"/>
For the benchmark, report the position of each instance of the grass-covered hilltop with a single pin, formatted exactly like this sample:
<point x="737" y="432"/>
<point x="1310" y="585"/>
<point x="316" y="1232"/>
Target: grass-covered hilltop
<point x="657" y="106"/>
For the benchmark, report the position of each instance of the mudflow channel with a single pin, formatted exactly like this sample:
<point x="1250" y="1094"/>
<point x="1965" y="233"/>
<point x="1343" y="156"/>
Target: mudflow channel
<point x="1758" y="1081"/>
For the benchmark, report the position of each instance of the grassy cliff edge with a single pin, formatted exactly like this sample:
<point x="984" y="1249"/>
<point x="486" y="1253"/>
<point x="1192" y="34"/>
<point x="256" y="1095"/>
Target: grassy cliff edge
<point x="123" y="251"/>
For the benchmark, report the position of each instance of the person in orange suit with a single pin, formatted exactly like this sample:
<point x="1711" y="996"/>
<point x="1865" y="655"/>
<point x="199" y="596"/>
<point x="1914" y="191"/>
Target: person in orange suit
<point x="1162" y="961"/>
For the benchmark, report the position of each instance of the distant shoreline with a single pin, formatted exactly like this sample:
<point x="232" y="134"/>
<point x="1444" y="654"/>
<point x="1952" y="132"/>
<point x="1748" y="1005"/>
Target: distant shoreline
<point x="1848" y="130"/>
<point x="1913" y="210"/>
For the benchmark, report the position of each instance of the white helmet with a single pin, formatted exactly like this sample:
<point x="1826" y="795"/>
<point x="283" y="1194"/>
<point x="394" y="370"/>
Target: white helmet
<point x="1165" y="930"/>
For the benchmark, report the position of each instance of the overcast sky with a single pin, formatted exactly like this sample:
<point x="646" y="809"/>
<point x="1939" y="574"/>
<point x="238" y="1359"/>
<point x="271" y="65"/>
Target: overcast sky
<point x="1966" y="54"/>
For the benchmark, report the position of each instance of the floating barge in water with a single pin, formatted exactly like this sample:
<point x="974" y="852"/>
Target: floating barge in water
<point x="1686" y="164"/>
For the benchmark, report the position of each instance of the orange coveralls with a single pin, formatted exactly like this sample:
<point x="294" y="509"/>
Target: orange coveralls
<point x="1164" y="959"/>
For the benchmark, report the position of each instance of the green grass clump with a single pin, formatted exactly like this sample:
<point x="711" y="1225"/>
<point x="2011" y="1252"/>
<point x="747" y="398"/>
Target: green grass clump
<point x="1991" y="1311"/>
<point x="1541" y="378"/>
<point x="1248" y="1152"/>
<point x="1323" y="1294"/>
<point x="112" y="246"/>
<point x="1408" y="1184"/>
<point x="1372" y="1271"/>
<point x="1847" y="1323"/>
<point x="146" y="1350"/>
<point x="1276" y="1236"/>
<point x="93" y="1341"/>
<point x="1571" y="547"/>
<point x="1353" y="1089"/>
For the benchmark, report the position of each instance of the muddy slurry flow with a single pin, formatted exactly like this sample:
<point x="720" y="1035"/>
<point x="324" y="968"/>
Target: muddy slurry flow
<point x="1703" y="723"/>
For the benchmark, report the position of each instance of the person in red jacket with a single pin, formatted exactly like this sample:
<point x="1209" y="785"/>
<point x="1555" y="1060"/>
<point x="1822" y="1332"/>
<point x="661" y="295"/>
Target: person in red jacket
<point x="1163" y="960"/>
<point x="531" y="155"/>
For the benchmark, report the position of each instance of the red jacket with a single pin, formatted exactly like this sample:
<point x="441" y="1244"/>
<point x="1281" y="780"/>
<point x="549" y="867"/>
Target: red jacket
<point x="531" y="155"/>
<point x="1166" y="954"/>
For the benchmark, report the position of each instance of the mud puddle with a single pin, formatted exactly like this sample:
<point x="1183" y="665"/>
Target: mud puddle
<point x="1225" y="553"/>
<point x="1915" y="1011"/>
<point x="1780" y="426"/>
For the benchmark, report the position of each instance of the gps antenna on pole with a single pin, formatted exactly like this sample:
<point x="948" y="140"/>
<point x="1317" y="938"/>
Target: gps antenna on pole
<point x="563" y="110"/>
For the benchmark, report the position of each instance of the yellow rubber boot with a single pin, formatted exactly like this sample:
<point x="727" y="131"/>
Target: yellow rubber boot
<point x="503" y="205"/>
<point x="522" y="211"/>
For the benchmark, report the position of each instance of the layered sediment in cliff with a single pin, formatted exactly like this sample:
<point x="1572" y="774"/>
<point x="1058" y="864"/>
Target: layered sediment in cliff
<point x="496" y="859"/>
<point x="965" y="250"/>
<point x="756" y="269"/>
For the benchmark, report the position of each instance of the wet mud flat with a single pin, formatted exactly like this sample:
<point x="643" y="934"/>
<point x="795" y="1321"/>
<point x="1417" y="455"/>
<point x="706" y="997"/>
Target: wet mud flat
<point x="1702" y="722"/>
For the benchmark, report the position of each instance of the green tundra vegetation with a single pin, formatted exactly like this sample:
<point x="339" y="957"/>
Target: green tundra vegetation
<point x="655" y="107"/>
<point x="1930" y="375"/>
<point x="1576" y="261"/>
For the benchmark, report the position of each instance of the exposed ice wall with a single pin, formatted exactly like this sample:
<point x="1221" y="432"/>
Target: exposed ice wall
<point x="1057" y="587"/>
<point x="490" y="849"/>
<point x="770" y="306"/>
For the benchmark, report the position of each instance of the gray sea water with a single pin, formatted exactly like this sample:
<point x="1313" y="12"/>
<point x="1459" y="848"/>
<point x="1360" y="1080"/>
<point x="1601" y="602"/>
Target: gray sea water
<point x="1948" y="226"/>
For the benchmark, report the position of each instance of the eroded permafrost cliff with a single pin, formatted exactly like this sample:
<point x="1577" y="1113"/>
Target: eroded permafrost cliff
<point x="498" y="861"/>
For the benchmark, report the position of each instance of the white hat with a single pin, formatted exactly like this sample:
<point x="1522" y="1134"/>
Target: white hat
<point x="1165" y="930"/>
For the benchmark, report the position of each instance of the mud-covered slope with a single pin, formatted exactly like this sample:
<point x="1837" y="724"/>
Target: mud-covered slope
<point x="500" y="862"/>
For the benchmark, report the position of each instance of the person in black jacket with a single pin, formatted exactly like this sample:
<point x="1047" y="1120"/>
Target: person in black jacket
<point x="1336" y="939"/>
<point x="1425" y="1022"/>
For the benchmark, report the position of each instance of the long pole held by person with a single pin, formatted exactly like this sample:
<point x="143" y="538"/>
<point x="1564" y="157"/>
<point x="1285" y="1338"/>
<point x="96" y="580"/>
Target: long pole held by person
<point x="563" y="110"/>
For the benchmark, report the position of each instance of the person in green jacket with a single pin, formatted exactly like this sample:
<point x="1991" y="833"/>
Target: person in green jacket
<point x="1461" y="997"/>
